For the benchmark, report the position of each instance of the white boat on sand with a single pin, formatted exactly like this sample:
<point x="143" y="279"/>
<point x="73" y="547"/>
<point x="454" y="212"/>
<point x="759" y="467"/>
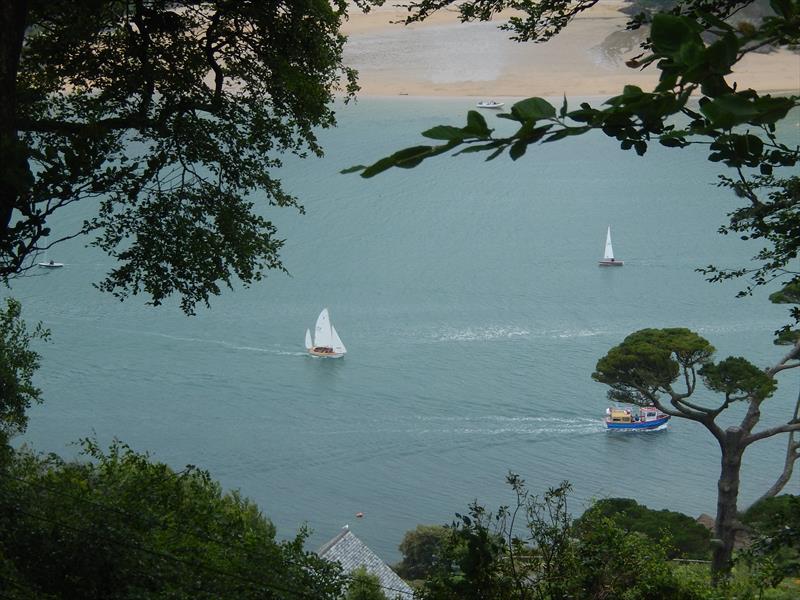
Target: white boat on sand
<point x="326" y="342"/>
<point x="608" y="257"/>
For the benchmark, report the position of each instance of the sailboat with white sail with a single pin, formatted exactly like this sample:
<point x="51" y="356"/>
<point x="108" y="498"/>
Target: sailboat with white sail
<point x="326" y="342"/>
<point x="608" y="256"/>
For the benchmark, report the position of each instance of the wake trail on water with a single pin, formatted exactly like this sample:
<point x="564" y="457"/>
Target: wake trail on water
<point x="221" y="343"/>
<point x="487" y="334"/>
<point x="483" y="425"/>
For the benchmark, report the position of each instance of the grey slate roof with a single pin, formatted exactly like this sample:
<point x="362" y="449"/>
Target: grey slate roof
<point x="352" y="553"/>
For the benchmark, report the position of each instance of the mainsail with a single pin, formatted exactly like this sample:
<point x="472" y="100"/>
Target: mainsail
<point x="323" y="337"/>
<point x="609" y="254"/>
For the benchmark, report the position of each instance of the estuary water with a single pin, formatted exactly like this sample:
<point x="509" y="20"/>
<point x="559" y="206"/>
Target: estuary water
<point x="470" y="300"/>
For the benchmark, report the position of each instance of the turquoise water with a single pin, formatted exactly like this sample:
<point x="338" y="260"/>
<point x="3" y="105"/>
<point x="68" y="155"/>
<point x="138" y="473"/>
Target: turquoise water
<point x="473" y="310"/>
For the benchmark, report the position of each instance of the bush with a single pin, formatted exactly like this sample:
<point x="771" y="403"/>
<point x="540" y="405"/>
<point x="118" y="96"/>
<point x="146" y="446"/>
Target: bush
<point x="683" y="536"/>
<point x="420" y="547"/>
<point x="124" y="527"/>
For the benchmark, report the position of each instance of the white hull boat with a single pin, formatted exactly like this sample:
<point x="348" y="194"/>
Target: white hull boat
<point x="50" y="264"/>
<point x="326" y="342"/>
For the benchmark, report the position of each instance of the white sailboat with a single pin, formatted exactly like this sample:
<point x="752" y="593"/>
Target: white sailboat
<point x="608" y="256"/>
<point x="326" y="342"/>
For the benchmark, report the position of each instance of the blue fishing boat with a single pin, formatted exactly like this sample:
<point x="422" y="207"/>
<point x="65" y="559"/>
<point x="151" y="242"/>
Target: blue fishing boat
<point x="645" y="418"/>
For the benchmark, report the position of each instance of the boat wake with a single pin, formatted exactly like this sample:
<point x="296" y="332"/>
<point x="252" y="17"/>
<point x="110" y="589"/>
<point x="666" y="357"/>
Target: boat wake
<point x="487" y="334"/>
<point x="495" y="425"/>
<point x="481" y="334"/>
<point x="220" y="343"/>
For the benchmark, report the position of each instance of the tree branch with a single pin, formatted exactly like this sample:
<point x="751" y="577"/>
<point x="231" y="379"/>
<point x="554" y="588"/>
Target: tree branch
<point x="791" y="426"/>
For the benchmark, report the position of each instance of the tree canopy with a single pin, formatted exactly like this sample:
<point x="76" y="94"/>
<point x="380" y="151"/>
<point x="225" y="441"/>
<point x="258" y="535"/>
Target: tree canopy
<point x="124" y="526"/>
<point x="167" y="118"/>
<point x="18" y="364"/>
<point x="680" y="535"/>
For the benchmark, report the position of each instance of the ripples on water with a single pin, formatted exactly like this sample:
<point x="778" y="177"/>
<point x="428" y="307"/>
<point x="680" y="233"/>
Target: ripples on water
<point x="474" y="313"/>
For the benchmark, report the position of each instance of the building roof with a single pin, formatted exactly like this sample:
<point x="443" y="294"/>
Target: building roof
<point x="352" y="553"/>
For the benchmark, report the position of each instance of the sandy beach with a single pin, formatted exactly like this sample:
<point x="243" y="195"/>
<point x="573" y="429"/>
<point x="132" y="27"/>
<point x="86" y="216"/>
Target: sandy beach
<point x="442" y="57"/>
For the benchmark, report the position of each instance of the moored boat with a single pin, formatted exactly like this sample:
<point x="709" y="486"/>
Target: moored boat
<point x="645" y="418"/>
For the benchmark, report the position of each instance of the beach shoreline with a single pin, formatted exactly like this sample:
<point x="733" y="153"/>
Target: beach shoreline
<point x="444" y="58"/>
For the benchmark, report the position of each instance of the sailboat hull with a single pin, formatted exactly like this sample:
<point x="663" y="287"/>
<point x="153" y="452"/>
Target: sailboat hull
<point x="324" y="353"/>
<point x="611" y="263"/>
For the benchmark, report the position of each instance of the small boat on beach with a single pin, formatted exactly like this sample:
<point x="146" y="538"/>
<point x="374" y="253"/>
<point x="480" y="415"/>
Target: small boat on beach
<point x="608" y="259"/>
<point x="490" y="104"/>
<point x="645" y="418"/>
<point x="326" y="342"/>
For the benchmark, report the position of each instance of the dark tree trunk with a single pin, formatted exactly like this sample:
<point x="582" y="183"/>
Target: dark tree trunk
<point x="727" y="496"/>
<point x="13" y="14"/>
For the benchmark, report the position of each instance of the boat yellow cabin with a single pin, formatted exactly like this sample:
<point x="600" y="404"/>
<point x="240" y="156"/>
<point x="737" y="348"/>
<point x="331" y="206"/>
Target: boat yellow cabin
<point x="619" y="415"/>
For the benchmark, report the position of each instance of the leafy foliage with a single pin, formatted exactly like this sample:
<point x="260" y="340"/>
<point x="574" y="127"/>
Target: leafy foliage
<point x="18" y="363"/>
<point x="775" y="551"/>
<point x="648" y="362"/>
<point x="679" y="535"/>
<point x="170" y="116"/>
<point x="419" y="548"/>
<point x="364" y="586"/>
<point x="124" y="527"/>
<point x="533" y="550"/>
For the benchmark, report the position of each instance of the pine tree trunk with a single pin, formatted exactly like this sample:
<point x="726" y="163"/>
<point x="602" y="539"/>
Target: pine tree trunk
<point x="727" y="496"/>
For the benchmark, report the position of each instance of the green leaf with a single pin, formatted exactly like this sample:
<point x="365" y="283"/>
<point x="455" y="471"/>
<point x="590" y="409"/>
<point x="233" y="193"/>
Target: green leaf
<point x="518" y="149"/>
<point x="729" y="110"/>
<point x="411" y="157"/>
<point x="784" y="8"/>
<point x="378" y="167"/>
<point x="353" y="169"/>
<point x="533" y="109"/>
<point x="479" y="148"/>
<point x="566" y="132"/>
<point x="563" y="112"/>
<point x="673" y="142"/>
<point x="476" y="124"/>
<point x="445" y="132"/>
<point x="670" y="32"/>
<point x="721" y="55"/>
